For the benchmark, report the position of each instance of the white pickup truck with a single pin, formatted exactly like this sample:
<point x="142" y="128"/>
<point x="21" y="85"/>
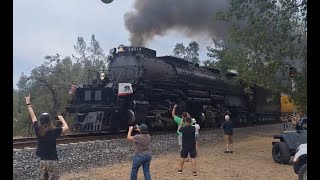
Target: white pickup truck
<point x="300" y="162"/>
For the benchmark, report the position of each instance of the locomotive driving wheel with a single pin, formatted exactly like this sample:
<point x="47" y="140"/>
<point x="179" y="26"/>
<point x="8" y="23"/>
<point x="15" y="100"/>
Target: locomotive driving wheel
<point x="211" y="117"/>
<point x="208" y="119"/>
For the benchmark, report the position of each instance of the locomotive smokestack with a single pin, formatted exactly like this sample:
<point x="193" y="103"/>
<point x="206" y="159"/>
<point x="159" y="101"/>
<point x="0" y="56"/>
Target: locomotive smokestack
<point x="157" y="17"/>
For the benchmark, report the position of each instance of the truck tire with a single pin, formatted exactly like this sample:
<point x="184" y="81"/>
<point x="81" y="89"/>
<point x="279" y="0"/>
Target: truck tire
<point x="281" y="153"/>
<point x="303" y="172"/>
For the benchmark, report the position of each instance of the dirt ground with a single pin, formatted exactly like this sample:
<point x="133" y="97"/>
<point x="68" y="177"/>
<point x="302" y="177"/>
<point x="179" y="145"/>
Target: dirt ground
<point x="251" y="159"/>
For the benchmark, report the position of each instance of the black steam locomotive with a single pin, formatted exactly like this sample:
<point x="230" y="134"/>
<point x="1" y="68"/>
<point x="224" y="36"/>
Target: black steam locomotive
<point x="139" y="87"/>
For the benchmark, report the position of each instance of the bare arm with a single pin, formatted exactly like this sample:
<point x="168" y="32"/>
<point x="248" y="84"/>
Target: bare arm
<point x="180" y="125"/>
<point x="31" y="112"/>
<point x="129" y="137"/>
<point x="174" y="110"/>
<point x="65" y="126"/>
<point x="293" y="119"/>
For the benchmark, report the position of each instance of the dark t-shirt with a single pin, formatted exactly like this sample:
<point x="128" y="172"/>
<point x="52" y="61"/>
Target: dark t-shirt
<point x="227" y="127"/>
<point x="47" y="149"/>
<point x="188" y="136"/>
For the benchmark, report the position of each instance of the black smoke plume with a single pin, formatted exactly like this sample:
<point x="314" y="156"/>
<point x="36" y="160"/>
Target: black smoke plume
<point x="190" y="17"/>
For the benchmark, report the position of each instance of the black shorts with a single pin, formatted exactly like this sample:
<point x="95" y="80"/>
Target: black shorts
<point x="185" y="151"/>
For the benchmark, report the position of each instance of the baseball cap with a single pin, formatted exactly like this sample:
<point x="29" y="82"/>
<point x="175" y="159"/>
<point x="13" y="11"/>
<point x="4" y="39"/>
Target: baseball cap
<point x="143" y="128"/>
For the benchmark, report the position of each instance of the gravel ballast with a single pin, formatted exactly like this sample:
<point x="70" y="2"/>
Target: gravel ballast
<point x="77" y="157"/>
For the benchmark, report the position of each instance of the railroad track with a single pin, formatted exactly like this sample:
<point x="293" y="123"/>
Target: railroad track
<point x="31" y="142"/>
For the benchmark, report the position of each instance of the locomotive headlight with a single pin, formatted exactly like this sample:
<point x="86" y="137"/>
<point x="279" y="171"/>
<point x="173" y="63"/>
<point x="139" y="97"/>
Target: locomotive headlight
<point x="121" y="48"/>
<point x="102" y="76"/>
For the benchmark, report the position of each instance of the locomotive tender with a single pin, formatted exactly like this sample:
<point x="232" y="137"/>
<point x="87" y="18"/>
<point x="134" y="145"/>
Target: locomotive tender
<point x="139" y="87"/>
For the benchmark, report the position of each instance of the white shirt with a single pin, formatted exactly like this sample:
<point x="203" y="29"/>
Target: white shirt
<point x="197" y="126"/>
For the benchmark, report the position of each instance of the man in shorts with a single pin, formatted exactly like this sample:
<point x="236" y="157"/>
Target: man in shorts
<point x="188" y="145"/>
<point x="228" y="133"/>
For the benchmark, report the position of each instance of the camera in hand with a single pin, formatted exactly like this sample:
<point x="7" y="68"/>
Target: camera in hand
<point x="57" y="122"/>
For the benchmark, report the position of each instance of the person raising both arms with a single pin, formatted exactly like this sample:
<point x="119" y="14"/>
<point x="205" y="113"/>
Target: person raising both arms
<point x="47" y="135"/>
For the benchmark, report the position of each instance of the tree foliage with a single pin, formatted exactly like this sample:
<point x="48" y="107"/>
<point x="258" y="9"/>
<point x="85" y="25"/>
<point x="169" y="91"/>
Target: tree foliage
<point x="91" y="57"/>
<point x="50" y="82"/>
<point x="267" y="38"/>
<point x="190" y="53"/>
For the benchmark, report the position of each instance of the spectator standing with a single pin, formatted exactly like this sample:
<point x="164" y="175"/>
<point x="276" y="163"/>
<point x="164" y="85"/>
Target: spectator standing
<point x="197" y="127"/>
<point x="178" y="121"/>
<point x="285" y="120"/>
<point x="143" y="155"/>
<point x="47" y="135"/>
<point x="188" y="145"/>
<point x="295" y="120"/>
<point x="228" y="133"/>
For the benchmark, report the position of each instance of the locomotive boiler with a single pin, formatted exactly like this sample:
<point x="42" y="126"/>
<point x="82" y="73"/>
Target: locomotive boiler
<point x="139" y="87"/>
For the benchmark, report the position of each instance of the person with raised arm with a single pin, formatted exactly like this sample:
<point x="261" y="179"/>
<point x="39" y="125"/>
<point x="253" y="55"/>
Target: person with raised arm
<point x="179" y="121"/>
<point x="188" y="145"/>
<point x="141" y="147"/>
<point x="47" y="135"/>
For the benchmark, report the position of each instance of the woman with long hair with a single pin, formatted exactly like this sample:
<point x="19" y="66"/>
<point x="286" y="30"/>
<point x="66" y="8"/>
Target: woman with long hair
<point x="47" y="135"/>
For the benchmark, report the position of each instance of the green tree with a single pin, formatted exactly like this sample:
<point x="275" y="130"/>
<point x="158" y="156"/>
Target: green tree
<point x="223" y="55"/>
<point x="50" y="82"/>
<point x="16" y="111"/>
<point x="190" y="53"/>
<point x="179" y="50"/>
<point x="91" y="57"/>
<point x="15" y="105"/>
<point x="267" y="38"/>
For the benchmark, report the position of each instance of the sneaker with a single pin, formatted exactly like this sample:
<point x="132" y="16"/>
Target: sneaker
<point x="231" y="152"/>
<point x="194" y="173"/>
<point x="179" y="171"/>
<point x="226" y="151"/>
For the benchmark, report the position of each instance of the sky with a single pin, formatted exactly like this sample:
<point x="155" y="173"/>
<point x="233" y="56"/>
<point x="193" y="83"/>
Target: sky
<point x="48" y="27"/>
